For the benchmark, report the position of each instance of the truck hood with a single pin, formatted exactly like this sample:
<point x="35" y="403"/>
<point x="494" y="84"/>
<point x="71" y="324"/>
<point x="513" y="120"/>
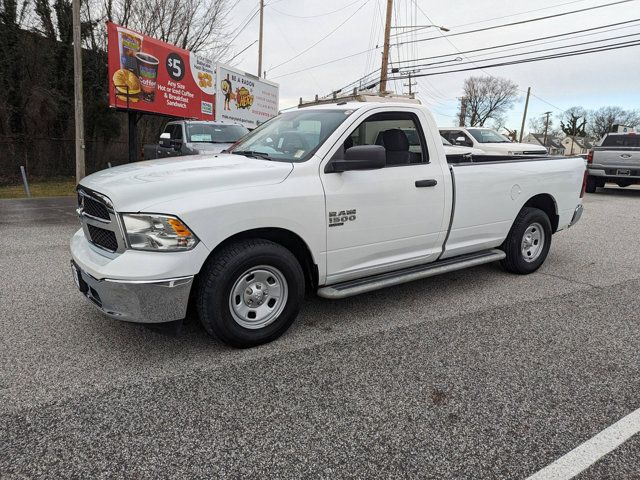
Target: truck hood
<point x="139" y="185"/>
<point x="460" y="150"/>
<point x="514" y="148"/>
<point x="207" y="148"/>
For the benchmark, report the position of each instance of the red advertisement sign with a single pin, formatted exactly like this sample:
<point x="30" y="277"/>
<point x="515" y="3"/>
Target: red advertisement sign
<point x="152" y="76"/>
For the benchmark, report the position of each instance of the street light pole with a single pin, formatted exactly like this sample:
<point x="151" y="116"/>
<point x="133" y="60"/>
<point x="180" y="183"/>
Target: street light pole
<point x="77" y="91"/>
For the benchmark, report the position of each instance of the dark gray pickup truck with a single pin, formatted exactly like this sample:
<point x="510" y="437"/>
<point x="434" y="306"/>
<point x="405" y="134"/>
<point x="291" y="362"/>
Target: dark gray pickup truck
<point x="615" y="160"/>
<point x="191" y="137"/>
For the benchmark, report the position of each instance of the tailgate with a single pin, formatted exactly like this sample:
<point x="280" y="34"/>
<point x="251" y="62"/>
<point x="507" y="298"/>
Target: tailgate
<point x="618" y="157"/>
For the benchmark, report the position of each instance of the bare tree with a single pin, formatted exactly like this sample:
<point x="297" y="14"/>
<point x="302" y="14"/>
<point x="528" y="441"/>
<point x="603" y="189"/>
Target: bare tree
<point x="488" y="98"/>
<point x="601" y="120"/>
<point x="195" y="25"/>
<point x="573" y="122"/>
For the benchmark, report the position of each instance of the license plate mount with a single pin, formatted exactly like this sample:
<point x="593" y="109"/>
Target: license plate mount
<point x="623" y="171"/>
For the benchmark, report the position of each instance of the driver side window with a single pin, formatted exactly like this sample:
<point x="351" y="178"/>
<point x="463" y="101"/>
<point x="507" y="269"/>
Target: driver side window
<point x="398" y="132"/>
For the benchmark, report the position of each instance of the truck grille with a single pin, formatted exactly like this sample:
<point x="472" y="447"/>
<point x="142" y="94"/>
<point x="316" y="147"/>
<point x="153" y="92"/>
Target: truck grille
<point x="103" y="238"/>
<point x="99" y="221"/>
<point x="94" y="208"/>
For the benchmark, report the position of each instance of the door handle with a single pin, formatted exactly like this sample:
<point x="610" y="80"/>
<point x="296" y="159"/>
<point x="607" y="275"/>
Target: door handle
<point x="426" y="183"/>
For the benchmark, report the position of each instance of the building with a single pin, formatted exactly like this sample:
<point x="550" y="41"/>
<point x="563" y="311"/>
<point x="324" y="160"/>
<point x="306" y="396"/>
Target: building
<point x="554" y="145"/>
<point x="576" y="145"/>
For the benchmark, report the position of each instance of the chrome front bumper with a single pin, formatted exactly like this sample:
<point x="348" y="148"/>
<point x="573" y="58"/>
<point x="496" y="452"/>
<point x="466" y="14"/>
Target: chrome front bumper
<point x="139" y="301"/>
<point x="576" y="215"/>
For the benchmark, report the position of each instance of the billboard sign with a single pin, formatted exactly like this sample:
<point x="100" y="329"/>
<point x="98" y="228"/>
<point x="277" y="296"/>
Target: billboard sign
<point x="244" y="98"/>
<point x="148" y="75"/>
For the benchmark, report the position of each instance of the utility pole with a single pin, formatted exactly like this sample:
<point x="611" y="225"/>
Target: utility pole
<point x="546" y="127"/>
<point x="524" y="115"/>
<point x="260" y="39"/>
<point x="385" y="49"/>
<point x="463" y="111"/>
<point x="77" y="91"/>
<point x="410" y="84"/>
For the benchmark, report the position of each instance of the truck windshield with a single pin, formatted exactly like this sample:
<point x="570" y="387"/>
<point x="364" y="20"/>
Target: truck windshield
<point x="207" y="133"/>
<point x="292" y="136"/>
<point x="487" y="136"/>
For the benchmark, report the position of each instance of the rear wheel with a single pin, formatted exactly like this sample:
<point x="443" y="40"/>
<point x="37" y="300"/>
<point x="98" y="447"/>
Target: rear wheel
<point x="592" y="184"/>
<point x="528" y="242"/>
<point x="250" y="292"/>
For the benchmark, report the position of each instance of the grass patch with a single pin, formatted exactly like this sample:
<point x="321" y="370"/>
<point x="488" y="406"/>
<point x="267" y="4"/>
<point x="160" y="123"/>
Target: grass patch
<point x="59" y="187"/>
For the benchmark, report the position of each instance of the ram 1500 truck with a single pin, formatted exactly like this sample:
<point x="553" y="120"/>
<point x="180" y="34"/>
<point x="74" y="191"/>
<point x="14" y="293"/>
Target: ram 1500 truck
<point x="193" y="137"/>
<point x="308" y="202"/>
<point x="616" y="160"/>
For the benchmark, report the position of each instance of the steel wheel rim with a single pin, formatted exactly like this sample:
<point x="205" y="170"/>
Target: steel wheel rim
<point x="532" y="242"/>
<point x="258" y="297"/>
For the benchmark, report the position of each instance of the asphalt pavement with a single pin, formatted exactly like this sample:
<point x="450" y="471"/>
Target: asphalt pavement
<point x="474" y="374"/>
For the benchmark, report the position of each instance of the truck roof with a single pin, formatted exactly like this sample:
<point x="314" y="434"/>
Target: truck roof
<point x="360" y="105"/>
<point x="206" y="122"/>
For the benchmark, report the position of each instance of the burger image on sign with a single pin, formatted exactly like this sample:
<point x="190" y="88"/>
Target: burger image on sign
<point x="127" y="85"/>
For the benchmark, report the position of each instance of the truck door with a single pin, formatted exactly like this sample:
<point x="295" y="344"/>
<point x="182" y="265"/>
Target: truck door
<point x="389" y="218"/>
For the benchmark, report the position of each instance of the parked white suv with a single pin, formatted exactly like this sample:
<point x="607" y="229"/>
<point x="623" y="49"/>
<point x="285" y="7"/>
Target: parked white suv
<point x="309" y="202"/>
<point x="489" y="141"/>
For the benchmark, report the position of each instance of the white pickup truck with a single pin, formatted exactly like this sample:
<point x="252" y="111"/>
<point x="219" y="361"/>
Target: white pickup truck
<point x="309" y="202"/>
<point x="489" y="141"/>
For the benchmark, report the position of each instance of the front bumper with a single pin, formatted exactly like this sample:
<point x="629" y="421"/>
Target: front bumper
<point x="136" y="301"/>
<point x="137" y="286"/>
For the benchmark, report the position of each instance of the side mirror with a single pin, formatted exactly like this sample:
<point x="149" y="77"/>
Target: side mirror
<point x="177" y="144"/>
<point x="360" y="157"/>
<point x="461" y="140"/>
<point x="165" y="139"/>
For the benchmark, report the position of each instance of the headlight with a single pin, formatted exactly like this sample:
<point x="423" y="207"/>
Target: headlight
<point x="157" y="232"/>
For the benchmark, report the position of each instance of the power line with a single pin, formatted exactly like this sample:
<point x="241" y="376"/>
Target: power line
<point x="526" y="53"/>
<point x="458" y="50"/>
<point x="523" y="41"/>
<point x="536" y="59"/>
<point x="322" y="39"/>
<point x="520" y="22"/>
<point x="325" y="63"/>
<point x="520" y="13"/>
<point x="319" y="14"/>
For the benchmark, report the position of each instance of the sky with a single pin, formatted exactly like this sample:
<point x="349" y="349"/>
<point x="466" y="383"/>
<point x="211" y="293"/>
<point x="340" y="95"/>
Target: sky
<point x="296" y="44"/>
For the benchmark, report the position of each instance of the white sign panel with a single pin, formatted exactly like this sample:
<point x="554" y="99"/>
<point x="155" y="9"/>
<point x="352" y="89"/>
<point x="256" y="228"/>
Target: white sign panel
<point x="243" y="98"/>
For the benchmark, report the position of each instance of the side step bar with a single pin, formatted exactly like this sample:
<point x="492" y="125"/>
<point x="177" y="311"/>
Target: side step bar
<point x="375" y="282"/>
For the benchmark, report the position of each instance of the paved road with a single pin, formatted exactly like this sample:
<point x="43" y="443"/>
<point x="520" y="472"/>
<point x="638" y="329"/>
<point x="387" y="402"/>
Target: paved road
<point x="475" y="374"/>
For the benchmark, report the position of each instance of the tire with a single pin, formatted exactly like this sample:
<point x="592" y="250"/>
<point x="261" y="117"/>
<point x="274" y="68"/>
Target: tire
<point x="265" y="279"/>
<point x="526" y="256"/>
<point x="592" y="185"/>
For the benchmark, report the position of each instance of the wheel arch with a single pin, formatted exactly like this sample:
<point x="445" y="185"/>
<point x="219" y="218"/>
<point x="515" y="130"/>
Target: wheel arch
<point x="548" y="205"/>
<point x="289" y="240"/>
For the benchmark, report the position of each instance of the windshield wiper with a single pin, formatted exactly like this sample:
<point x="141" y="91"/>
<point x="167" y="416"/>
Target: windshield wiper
<point x="252" y="153"/>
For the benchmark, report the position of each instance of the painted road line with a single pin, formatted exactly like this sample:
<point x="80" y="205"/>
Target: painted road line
<point x="585" y="455"/>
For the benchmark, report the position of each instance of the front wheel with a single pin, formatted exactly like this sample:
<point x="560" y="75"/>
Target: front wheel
<point x="250" y="292"/>
<point x="528" y="242"/>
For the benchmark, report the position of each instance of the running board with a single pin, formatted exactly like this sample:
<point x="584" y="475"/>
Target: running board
<point x="375" y="282"/>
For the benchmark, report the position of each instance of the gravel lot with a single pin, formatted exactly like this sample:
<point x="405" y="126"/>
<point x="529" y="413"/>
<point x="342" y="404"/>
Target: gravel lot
<point x="475" y="374"/>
